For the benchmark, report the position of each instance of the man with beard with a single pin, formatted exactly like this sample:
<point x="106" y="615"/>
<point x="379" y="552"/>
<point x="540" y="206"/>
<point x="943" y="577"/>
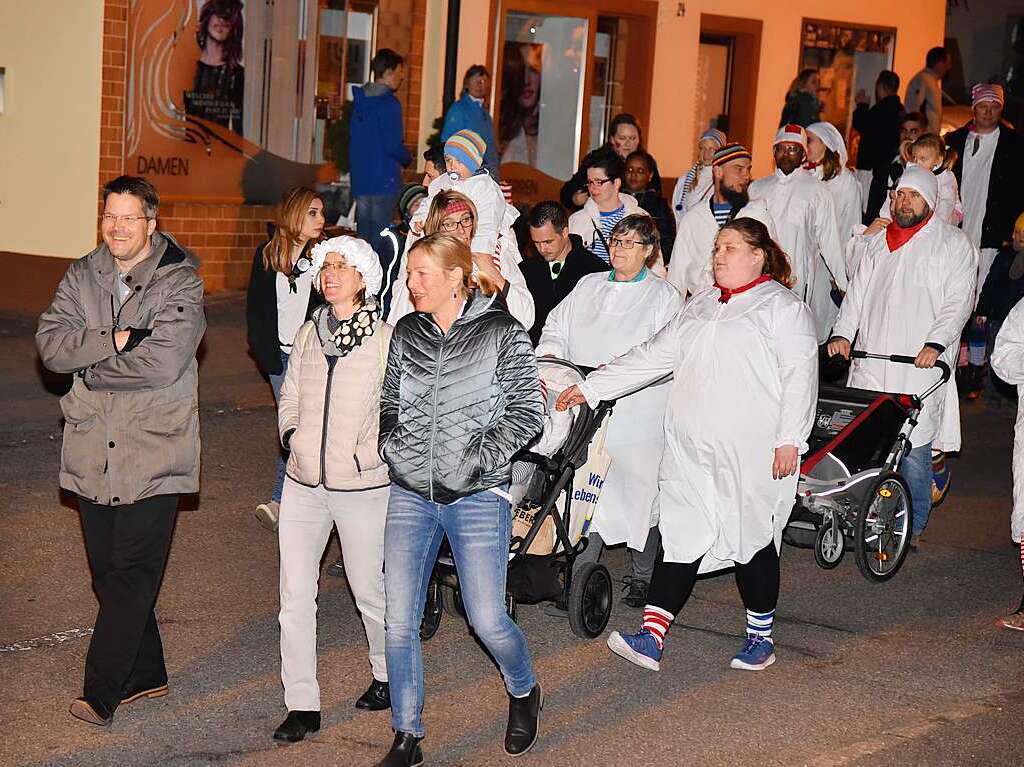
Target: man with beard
<point x="805" y="216"/>
<point x="690" y="266"/>
<point x="911" y="294"/>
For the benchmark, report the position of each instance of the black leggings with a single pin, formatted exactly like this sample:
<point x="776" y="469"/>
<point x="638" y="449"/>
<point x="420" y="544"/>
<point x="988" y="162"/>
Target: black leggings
<point x="757" y="581"/>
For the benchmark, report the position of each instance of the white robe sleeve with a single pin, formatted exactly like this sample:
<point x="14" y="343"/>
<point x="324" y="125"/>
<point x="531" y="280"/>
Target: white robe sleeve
<point x="518" y="297"/>
<point x="554" y="338"/>
<point x="948" y="207"/>
<point x="641" y="365"/>
<point x="1008" y="355"/>
<point x="958" y="296"/>
<point x="848" y="322"/>
<point x="826" y="235"/>
<point x="401" y="304"/>
<point x="490" y="207"/>
<point x="796" y="349"/>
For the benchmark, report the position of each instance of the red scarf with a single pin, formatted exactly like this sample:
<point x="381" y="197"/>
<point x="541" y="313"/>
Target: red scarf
<point x="896" y="236"/>
<point x="811" y="165"/>
<point x="727" y="293"/>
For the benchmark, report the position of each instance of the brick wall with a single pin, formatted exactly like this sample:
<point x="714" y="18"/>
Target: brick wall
<point x="401" y="26"/>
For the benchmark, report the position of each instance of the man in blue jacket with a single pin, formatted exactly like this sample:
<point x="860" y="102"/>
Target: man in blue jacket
<point x="470" y="113"/>
<point x="376" y="152"/>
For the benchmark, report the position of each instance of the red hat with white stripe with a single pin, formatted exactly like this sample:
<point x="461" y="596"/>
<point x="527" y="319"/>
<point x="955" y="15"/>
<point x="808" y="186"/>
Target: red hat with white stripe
<point x="987" y="92"/>
<point x="791" y="133"/>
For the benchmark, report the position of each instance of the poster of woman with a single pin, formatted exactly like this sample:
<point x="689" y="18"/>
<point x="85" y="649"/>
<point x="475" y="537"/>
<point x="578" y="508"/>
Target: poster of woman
<point x="218" y="86"/>
<point x="520" y="102"/>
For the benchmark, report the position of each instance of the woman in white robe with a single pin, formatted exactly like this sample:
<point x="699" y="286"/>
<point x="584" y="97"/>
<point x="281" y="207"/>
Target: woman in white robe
<point x="743" y="355"/>
<point x="1008" y="363"/>
<point x="605" y="315"/>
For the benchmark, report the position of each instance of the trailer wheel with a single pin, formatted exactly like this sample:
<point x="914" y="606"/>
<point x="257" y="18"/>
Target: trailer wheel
<point x="829" y="544"/>
<point x="590" y="600"/>
<point x="433" y="609"/>
<point x="882" y="531"/>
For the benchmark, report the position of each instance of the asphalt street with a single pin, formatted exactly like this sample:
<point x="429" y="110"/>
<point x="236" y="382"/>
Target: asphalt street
<point x="909" y="672"/>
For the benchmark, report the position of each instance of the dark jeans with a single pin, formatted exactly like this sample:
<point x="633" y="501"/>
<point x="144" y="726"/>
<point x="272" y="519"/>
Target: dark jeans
<point x="127" y="548"/>
<point x="375" y="212"/>
<point x="757" y="581"/>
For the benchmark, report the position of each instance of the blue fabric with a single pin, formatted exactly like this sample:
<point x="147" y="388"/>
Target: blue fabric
<point x="478" y="529"/>
<point x="376" y="153"/>
<point x="916" y="468"/>
<point x="374" y="213"/>
<point x="640" y="276"/>
<point x="721" y="211"/>
<point x="276" y="380"/>
<point x="607" y="223"/>
<point x="467" y="114"/>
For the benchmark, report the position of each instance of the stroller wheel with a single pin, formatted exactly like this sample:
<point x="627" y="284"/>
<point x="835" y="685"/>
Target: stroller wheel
<point x="590" y="600"/>
<point x="829" y="545"/>
<point x="433" y="609"/>
<point x="454" y="605"/>
<point x="882" y="534"/>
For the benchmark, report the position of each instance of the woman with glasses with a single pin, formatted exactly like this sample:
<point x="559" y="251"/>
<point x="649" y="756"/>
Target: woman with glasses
<point x="606" y="205"/>
<point x="454" y="213"/>
<point x="280" y="299"/>
<point x="606" y="315"/>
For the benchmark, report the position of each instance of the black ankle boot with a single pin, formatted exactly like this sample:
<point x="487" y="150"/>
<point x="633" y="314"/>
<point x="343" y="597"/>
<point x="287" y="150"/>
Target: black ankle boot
<point x="405" y="752"/>
<point x="376" y="698"/>
<point x="523" y="721"/>
<point x="296" y="725"/>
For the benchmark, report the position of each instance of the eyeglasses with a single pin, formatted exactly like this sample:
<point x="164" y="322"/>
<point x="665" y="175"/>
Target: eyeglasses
<point x="466" y="222"/>
<point x="338" y="266"/>
<point x="130" y="220"/>
<point x="618" y="242"/>
<point x="598" y="182"/>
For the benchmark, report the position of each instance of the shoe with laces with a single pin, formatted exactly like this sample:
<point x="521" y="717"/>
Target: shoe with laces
<point x="757" y="654"/>
<point x="640" y="648"/>
<point x="1013" y="621"/>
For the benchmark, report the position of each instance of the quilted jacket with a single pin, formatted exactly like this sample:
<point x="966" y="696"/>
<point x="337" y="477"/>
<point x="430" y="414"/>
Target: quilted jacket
<point x="456" y="406"/>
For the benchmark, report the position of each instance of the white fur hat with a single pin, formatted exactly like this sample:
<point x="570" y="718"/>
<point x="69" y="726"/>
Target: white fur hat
<point x="357" y="253"/>
<point x="922" y="181"/>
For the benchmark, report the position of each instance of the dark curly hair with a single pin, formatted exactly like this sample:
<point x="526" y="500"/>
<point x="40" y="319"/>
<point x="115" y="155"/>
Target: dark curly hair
<point x="755" y="234"/>
<point x="231" y="12"/>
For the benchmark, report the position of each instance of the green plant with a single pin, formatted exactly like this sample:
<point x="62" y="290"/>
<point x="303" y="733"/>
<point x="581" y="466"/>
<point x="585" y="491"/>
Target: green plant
<point x="336" y="139"/>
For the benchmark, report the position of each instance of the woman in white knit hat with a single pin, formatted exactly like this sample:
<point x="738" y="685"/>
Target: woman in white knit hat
<point x="328" y="418"/>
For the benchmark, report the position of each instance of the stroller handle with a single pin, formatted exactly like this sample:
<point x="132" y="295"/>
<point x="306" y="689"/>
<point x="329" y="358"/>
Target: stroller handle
<point x="902" y="359"/>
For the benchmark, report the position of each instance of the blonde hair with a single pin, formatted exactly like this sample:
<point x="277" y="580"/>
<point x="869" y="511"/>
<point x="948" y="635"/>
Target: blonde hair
<point x="288" y="219"/>
<point x="436" y="214"/>
<point x="947" y="156"/>
<point x="449" y="252"/>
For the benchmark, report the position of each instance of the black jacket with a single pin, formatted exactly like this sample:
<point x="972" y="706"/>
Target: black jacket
<point x="652" y="201"/>
<point x="1005" y="188"/>
<point x="883" y="178"/>
<point x="261" y="314"/>
<point x="578" y="182"/>
<point x="879" y="129"/>
<point x="548" y="293"/>
<point x="1000" y="293"/>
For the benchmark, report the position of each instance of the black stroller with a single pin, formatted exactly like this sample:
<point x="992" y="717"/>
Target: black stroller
<point x="542" y="480"/>
<point x="850" y="487"/>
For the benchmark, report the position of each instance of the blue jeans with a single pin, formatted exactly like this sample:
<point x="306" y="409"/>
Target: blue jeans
<point x="275" y="384"/>
<point x="916" y="468"/>
<point x="373" y="213"/>
<point x="478" y="529"/>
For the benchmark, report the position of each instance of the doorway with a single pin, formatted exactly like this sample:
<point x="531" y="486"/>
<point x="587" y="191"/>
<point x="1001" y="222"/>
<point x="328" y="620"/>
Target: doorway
<point x="728" y="60"/>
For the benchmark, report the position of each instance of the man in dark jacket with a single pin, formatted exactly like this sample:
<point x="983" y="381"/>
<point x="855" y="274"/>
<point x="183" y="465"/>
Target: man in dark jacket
<point x="887" y="173"/>
<point x="879" y="128"/>
<point x="126" y="321"/>
<point x="562" y="263"/>
<point x="376" y="150"/>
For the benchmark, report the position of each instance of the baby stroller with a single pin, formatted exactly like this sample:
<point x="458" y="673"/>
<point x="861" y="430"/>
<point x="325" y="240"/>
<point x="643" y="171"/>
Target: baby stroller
<point x="542" y="476"/>
<point x="850" y="487"/>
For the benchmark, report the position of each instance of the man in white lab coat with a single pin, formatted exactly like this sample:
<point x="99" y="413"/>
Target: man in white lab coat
<point x="911" y="295"/>
<point x="805" y="218"/>
<point x="690" y="267"/>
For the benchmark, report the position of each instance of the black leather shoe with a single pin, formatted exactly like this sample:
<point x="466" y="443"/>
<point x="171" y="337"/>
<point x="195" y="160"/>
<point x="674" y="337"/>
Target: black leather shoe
<point x="405" y="752"/>
<point x="376" y="698"/>
<point x="151" y="690"/>
<point x="296" y="725"/>
<point x="91" y="711"/>
<point x="523" y="722"/>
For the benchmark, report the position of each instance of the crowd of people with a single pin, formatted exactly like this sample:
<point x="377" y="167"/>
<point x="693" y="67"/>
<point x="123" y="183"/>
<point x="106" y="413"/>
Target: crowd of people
<point x="706" y="318"/>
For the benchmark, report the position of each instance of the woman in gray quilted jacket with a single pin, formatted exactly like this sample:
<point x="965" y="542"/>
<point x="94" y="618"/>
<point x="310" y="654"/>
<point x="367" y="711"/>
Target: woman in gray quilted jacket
<point x="460" y="397"/>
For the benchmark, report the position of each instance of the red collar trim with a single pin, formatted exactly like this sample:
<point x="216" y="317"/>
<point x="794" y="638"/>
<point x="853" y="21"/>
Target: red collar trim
<point x="727" y="294"/>
<point x="896" y="236"/>
<point x="811" y="165"/>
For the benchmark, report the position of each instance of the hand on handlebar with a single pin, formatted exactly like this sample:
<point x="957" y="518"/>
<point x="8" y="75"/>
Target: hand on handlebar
<point x="569" y="398"/>
<point x="840" y="347"/>
<point x="926" y="357"/>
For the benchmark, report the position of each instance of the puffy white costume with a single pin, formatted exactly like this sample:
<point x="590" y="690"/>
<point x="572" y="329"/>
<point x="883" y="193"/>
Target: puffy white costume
<point x="745" y="378"/>
<point x="599" y="320"/>
<point x="1007" y="361"/>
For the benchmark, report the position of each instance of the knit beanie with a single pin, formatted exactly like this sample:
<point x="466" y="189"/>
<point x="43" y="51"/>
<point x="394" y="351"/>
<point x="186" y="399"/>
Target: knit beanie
<point x="791" y="134"/>
<point x="713" y="134"/>
<point x="730" y="152"/>
<point x="467" y="147"/>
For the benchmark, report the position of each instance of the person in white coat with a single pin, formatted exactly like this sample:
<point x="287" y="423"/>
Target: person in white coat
<point x="744" y="359"/>
<point x="605" y="315"/>
<point x="1007" y="361"/>
<point x="826" y="161"/>
<point x="805" y="217"/>
<point x="911" y="295"/>
<point x="452" y="212"/>
<point x="695" y="185"/>
<point x="689" y="269"/>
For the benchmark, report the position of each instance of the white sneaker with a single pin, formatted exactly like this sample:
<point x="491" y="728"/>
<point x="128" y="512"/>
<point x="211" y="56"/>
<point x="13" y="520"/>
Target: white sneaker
<point x="267" y="514"/>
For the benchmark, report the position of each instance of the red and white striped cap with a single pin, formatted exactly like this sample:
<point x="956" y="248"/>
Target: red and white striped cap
<point x="791" y="133"/>
<point x="987" y="92"/>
